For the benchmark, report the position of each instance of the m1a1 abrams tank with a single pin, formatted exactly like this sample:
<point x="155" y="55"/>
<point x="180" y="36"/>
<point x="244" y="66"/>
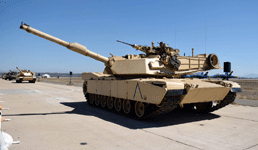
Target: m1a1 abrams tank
<point x="150" y="84"/>
<point x="25" y="75"/>
<point x="11" y="75"/>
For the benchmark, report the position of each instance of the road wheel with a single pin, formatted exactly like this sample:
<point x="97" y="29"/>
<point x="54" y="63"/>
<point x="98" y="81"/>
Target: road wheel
<point x="97" y="100"/>
<point x="103" y="101"/>
<point x="118" y="104"/>
<point x="126" y="106"/>
<point x="139" y="109"/>
<point x="17" y="81"/>
<point x="110" y="102"/>
<point x="91" y="99"/>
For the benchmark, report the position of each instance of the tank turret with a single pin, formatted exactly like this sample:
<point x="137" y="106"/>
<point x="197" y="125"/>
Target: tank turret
<point x="162" y="61"/>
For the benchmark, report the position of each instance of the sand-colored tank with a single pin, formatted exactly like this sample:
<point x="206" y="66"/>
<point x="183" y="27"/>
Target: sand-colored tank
<point x="25" y="75"/>
<point x="150" y="84"/>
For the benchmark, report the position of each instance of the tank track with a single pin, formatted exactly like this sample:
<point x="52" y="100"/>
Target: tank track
<point x="230" y="98"/>
<point x="167" y="105"/>
<point x="209" y="107"/>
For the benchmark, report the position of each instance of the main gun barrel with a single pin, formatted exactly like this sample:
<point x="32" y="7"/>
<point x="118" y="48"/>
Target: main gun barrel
<point x="76" y="47"/>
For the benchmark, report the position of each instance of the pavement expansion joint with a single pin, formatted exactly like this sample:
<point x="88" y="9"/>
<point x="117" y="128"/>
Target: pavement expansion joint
<point x="240" y="118"/>
<point x="172" y="139"/>
<point x="251" y="146"/>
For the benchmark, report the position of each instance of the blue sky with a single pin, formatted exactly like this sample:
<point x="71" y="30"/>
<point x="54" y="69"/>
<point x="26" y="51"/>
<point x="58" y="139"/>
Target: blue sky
<point x="231" y="33"/>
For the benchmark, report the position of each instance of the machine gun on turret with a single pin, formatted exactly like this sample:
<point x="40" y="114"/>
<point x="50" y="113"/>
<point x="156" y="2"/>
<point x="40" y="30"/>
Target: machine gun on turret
<point x="146" y="49"/>
<point x="152" y="50"/>
<point x="167" y="55"/>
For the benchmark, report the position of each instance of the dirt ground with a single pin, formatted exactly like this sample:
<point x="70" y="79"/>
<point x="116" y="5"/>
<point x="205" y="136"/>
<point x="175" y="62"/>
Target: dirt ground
<point x="249" y="86"/>
<point x="76" y="81"/>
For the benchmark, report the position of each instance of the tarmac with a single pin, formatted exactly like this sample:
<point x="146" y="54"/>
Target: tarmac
<point x="57" y="117"/>
<point x="247" y="102"/>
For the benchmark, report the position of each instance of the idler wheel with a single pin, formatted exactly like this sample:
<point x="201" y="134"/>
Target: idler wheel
<point x="91" y="99"/>
<point x="110" y="102"/>
<point x="126" y="106"/>
<point x="97" y="100"/>
<point x="118" y="104"/>
<point x="104" y="101"/>
<point x="139" y="109"/>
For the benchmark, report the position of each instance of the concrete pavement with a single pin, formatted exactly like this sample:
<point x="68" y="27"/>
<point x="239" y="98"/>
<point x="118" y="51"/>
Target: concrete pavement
<point x="52" y="116"/>
<point x="247" y="102"/>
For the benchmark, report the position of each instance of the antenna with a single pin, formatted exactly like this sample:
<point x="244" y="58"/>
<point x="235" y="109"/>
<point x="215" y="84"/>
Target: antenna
<point x="205" y="35"/>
